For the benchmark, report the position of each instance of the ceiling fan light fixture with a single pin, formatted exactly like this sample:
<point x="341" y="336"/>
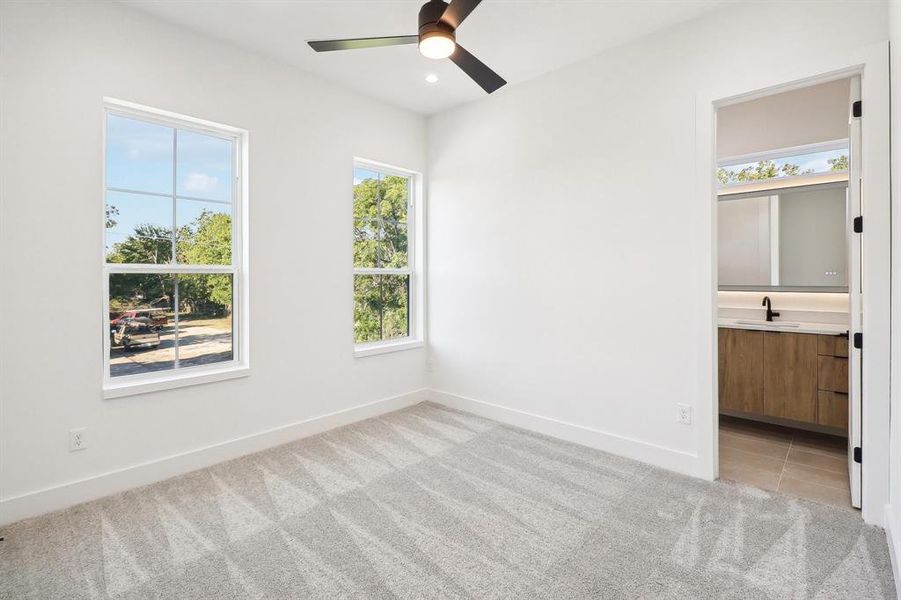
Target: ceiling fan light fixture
<point x="437" y="39"/>
<point x="437" y="44"/>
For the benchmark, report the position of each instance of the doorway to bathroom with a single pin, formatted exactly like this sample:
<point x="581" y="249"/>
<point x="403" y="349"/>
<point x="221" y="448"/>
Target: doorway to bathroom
<point x="789" y="285"/>
<point x="797" y="286"/>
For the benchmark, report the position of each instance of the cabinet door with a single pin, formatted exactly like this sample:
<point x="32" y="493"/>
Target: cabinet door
<point x="790" y="376"/>
<point x="741" y="370"/>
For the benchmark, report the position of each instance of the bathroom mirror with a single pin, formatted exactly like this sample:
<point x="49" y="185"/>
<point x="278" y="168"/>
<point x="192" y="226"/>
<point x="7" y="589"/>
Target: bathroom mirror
<point x="784" y="239"/>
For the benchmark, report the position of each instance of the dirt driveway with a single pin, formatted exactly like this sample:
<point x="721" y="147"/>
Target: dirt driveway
<point x="199" y="342"/>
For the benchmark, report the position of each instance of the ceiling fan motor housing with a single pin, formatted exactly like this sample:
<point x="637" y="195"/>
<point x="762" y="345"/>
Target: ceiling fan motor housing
<point x="430" y="23"/>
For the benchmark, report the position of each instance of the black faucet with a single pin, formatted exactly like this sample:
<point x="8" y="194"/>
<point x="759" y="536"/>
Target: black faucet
<point x="769" y="309"/>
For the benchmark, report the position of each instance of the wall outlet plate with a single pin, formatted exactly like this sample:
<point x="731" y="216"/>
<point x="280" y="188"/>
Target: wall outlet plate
<point x="78" y="439"/>
<point x="684" y="415"/>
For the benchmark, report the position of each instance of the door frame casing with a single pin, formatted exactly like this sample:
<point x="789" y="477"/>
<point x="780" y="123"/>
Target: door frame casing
<point x="872" y="65"/>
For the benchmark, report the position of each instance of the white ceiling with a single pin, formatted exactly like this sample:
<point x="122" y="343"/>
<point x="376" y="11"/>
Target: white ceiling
<point x="520" y="39"/>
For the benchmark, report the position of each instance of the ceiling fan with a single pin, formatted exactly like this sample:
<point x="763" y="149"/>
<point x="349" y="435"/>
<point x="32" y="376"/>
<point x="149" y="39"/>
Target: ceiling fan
<point x="438" y="23"/>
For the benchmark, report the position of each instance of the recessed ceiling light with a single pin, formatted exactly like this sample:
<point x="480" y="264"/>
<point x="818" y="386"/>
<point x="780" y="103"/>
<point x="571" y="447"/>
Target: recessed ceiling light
<point x="431" y="78"/>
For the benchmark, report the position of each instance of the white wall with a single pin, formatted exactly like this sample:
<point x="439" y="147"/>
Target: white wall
<point x="799" y="117"/>
<point x="567" y="238"/>
<point x="893" y="510"/>
<point x="57" y="61"/>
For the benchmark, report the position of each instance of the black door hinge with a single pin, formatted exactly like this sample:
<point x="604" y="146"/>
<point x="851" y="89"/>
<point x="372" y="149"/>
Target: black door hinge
<point x="858" y="224"/>
<point x="858" y="340"/>
<point x="858" y="455"/>
<point x="857" y="109"/>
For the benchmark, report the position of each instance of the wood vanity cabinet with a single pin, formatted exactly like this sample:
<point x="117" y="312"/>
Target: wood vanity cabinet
<point x="741" y="370"/>
<point x="799" y="377"/>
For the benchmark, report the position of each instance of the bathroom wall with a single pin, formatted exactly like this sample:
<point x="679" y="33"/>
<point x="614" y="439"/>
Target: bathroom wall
<point x="808" y="115"/>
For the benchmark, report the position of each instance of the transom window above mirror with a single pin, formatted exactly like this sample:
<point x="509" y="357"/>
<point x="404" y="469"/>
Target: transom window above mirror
<point x="799" y="162"/>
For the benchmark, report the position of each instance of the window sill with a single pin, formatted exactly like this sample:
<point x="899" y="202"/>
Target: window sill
<point x="117" y="389"/>
<point x="362" y="350"/>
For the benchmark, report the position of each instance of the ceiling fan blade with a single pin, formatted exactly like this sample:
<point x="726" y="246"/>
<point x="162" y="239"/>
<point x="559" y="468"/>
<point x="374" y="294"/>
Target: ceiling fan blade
<point x="458" y="10"/>
<point x="357" y="43"/>
<point x="477" y="70"/>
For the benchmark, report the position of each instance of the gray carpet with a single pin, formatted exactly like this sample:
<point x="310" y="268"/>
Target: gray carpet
<point x="432" y="503"/>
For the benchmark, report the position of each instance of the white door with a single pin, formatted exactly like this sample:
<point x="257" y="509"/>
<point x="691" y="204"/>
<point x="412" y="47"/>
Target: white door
<point x="855" y="292"/>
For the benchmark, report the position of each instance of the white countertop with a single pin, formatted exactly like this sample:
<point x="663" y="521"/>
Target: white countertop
<point x="802" y="327"/>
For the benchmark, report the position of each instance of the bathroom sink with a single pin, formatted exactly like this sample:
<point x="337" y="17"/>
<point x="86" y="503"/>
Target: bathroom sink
<point x="768" y="323"/>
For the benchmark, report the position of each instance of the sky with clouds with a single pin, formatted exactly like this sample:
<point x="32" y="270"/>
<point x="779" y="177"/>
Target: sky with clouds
<point x="141" y="158"/>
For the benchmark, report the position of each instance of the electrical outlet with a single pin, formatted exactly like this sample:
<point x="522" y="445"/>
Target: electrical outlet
<point x="78" y="439"/>
<point x="684" y="414"/>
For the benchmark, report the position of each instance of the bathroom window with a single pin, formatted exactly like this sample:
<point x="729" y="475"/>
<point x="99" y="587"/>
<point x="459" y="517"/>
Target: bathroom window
<point x="804" y="161"/>
<point x="386" y="288"/>
<point x="173" y="258"/>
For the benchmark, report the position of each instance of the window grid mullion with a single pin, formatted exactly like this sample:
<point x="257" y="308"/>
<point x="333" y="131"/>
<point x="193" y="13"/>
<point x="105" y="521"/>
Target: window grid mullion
<point x="173" y="260"/>
<point x="382" y="271"/>
<point x="175" y="302"/>
<point x="174" y="202"/>
<point x="153" y="268"/>
<point x="380" y="225"/>
<point x="381" y="308"/>
<point x="161" y="195"/>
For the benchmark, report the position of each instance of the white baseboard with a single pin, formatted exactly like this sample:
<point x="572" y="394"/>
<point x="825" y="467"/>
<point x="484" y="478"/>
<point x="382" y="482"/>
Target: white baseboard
<point x="69" y="494"/>
<point x="893" y="537"/>
<point x="659" y="456"/>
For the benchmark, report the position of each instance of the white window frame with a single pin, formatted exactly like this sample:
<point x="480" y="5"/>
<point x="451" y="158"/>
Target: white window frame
<point x="414" y="268"/>
<point x="239" y="366"/>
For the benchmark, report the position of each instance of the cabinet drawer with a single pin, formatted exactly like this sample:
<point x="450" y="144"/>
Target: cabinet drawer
<point x="832" y="409"/>
<point x="832" y="345"/>
<point x="832" y="374"/>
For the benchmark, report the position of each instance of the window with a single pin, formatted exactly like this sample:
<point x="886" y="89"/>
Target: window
<point x="816" y="159"/>
<point x="386" y="286"/>
<point x="173" y="252"/>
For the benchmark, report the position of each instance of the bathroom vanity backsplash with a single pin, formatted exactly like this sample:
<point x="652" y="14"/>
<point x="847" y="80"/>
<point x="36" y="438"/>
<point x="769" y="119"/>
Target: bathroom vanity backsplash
<point x="806" y="307"/>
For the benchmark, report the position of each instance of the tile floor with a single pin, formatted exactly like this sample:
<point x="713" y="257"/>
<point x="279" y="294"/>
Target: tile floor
<point x="798" y="463"/>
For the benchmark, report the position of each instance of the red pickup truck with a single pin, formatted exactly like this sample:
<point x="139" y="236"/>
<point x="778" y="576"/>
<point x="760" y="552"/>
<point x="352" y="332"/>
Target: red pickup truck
<point x="157" y="317"/>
